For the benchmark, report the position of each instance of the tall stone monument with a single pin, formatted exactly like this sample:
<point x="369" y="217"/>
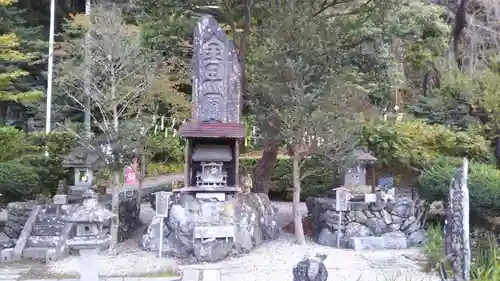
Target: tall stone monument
<point x="456" y="230"/>
<point x="209" y="218"/>
<point x="213" y="134"/>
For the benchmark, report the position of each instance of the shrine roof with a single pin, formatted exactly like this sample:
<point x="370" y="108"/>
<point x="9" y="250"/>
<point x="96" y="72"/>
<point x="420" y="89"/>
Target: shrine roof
<point x="80" y="157"/>
<point x="360" y="155"/>
<point x="212" y="130"/>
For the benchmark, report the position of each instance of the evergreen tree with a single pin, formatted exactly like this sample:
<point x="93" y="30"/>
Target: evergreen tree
<point x="18" y="45"/>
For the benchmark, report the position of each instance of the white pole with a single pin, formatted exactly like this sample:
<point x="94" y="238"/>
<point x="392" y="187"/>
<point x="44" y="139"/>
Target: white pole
<point x="48" y="113"/>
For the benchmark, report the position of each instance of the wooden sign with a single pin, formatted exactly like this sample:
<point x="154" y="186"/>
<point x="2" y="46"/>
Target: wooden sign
<point x="162" y="198"/>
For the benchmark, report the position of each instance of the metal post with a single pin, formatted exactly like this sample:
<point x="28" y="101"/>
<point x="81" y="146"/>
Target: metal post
<point x="50" y="71"/>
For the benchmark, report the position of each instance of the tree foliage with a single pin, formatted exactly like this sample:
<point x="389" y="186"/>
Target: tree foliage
<point x="415" y="144"/>
<point x="12" y="56"/>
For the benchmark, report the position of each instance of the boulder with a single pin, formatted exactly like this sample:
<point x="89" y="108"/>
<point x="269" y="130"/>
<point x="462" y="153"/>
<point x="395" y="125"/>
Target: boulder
<point x="417" y="238"/>
<point x="355" y="229"/>
<point x="328" y="238"/>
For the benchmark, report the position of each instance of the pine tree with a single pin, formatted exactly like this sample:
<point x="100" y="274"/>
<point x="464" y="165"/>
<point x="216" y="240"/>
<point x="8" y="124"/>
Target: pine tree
<point x="13" y="57"/>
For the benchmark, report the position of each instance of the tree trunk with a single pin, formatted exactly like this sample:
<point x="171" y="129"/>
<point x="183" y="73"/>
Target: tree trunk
<point x="497" y="150"/>
<point x="297" y="217"/>
<point x="264" y="169"/>
<point x="115" y="208"/>
<point x="115" y="201"/>
<point x="142" y="173"/>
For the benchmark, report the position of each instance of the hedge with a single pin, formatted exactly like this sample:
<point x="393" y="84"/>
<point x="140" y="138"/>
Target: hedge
<point x="157" y="169"/>
<point x="26" y="152"/>
<point x="18" y="182"/>
<point x="483" y="183"/>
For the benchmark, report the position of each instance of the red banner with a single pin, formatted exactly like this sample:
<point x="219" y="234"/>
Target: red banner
<point x="131" y="173"/>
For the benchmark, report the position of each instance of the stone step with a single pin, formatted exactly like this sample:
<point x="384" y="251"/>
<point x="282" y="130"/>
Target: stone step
<point x="44" y="229"/>
<point x="38" y="253"/>
<point x="9" y="277"/>
<point x="48" y="219"/>
<point x="42" y="241"/>
<point x="191" y="275"/>
<point x="211" y="275"/>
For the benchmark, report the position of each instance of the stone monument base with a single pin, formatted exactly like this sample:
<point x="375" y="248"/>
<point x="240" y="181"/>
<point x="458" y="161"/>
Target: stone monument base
<point x="211" y="227"/>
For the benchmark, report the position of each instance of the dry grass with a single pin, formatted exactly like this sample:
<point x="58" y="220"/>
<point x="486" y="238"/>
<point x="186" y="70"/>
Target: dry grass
<point x="36" y="273"/>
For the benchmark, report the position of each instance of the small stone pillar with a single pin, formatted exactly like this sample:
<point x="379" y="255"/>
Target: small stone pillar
<point x="90" y="238"/>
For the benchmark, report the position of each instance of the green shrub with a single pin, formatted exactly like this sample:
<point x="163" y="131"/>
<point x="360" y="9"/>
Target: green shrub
<point x="168" y="149"/>
<point x="14" y="143"/>
<point x="415" y="144"/>
<point x="50" y="169"/>
<point x="281" y="180"/>
<point x="17" y="182"/>
<point x="434" y="249"/>
<point x="483" y="183"/>
<point x="158" y="169"/>
<point x="28" y="150"/>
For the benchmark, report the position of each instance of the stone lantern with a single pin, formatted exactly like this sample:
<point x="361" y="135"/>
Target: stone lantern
<point x="82" y="162"/>
<point x="89" y="238"/>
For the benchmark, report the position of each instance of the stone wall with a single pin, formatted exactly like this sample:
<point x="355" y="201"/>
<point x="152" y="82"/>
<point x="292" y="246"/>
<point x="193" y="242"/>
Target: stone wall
<point x="238" y="223"/>
<point x="17" y="215"/>
<point x="402" y="219"/>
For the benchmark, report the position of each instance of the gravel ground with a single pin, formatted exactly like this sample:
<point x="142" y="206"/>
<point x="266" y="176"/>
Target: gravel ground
<point x="273" y="261"/>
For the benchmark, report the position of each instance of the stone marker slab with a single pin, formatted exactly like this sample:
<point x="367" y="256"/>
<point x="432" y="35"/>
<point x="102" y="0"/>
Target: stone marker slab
<point x="204" y="232"/>
<point x="370" y="197"/>
<point x="378" y="243"/>
<point x="220" y="196"/>
<point x="211" y="275"/>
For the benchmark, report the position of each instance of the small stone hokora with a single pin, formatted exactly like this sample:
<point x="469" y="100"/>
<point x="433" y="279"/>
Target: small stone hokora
<point x="311" y="269"/>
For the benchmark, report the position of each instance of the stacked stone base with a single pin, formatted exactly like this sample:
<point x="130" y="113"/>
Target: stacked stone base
<point x="238" y="224"/>
<point x="379" y="225"/>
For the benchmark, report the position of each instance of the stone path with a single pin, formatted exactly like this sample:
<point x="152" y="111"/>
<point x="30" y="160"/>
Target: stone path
<point x="342" y="265"/>
<point x="112" y="279"/>
<point x="201" y="275"/>
<point x="155" y="181"/>
<point x="11" y="274"/>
